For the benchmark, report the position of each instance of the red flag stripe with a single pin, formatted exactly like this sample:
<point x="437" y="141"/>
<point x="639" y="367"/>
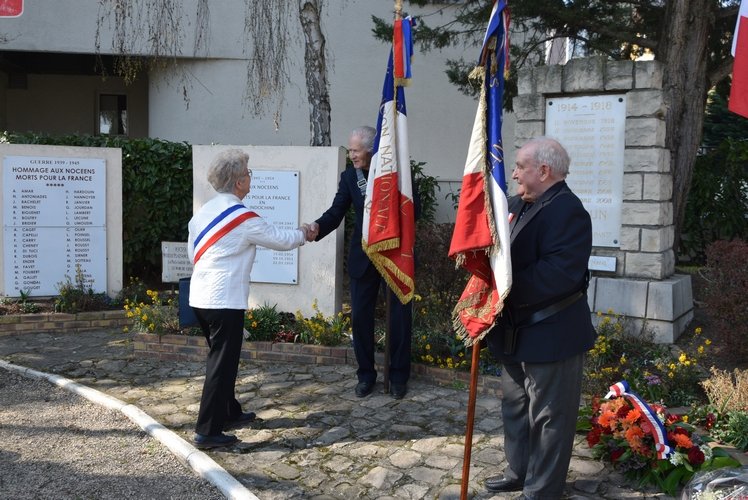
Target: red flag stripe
<point x="739" y="91"/>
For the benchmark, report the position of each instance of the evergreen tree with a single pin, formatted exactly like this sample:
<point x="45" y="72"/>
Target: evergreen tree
<point x="691" y="38"/>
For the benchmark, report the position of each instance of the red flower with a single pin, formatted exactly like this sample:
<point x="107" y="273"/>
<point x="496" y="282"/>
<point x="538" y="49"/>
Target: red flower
<point x="616" y="454"/>
<point x="695" y="456"/>
<point x="711" y="419"/>
<point x="593" y="437"/>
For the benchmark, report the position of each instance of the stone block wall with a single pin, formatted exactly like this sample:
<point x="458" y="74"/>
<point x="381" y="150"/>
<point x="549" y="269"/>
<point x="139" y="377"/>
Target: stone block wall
<point x="645" y="260"/>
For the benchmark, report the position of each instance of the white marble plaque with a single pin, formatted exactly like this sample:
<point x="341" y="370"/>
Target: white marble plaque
<point x="54" y="219"/>
<point x="274" y="196"/>
<point x="598" y="263"/>
<point x="592" y="129"/>
<point x="175" y="264"/>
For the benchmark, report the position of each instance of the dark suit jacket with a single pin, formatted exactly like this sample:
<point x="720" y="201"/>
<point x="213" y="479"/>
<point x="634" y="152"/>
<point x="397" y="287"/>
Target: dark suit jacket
<point x="348" y="194"/>
<point x="550" y="249"/>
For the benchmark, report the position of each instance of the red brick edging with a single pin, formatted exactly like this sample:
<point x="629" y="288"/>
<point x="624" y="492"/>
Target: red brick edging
<point x="14" y="324"/>
<point x="185" y="348"/>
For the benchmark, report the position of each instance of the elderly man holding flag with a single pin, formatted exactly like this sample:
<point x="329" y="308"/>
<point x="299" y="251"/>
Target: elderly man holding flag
<point x="379" y="187"/>
<point x="530" y="308"/>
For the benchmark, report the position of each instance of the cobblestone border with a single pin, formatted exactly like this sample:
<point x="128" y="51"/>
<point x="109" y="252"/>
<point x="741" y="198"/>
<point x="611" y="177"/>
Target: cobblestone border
<point x="14" y="324"/>
<point x="185" y="348"/>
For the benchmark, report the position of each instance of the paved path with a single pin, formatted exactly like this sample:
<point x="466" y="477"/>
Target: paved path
<point x="314" y="438"/>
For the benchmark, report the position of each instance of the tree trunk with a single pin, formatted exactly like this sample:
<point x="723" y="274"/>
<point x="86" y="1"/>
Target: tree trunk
<point x="683" y="50"/>
<point x="316" y="72"/>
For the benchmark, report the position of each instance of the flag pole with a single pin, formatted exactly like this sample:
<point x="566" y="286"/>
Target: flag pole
<point x="470" y="419"/>
<point x="386" y="379"/>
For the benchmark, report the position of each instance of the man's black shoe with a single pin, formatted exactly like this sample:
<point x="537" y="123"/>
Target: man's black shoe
<point x="240" y="421"/>
<point x="398" y="390"/>
<point x="203" y="442"/>
<point x="363" y="389"/>
<point x="500" y="483"/>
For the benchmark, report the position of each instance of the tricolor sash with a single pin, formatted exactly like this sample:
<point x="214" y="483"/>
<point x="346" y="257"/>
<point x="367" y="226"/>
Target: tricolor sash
<point x="220" y="227"/>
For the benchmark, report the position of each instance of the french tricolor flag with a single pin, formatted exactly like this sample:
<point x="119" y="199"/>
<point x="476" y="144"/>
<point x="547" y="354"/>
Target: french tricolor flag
<point x="480" y="241"/>
<point x="739" y="91"/>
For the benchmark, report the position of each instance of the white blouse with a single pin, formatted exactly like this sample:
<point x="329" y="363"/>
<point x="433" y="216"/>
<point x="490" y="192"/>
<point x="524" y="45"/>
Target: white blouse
<point x="220" y="279"/>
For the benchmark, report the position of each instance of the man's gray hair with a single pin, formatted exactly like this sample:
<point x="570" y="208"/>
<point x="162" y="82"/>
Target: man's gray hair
<point x="226" y="168"/>
<point x="548" y="151"/>
<point x="366" y="135"/>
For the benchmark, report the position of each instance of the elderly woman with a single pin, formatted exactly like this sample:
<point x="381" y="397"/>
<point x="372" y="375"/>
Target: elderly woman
<point x="223" y="236"/>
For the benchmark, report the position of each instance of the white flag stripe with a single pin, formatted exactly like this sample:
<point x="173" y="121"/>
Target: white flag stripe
<point x="742" y="13"/>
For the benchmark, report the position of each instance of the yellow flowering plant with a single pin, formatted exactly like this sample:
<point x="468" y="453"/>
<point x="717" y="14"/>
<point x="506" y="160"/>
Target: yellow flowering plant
<point x="323" y="330"/>
<point x="655" y="371"/>
<point x="156" y="314"/>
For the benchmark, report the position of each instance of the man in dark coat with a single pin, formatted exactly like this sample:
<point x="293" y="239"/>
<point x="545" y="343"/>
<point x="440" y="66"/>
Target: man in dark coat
<point x="546" y="326"/>
<point x="364" y="277"/>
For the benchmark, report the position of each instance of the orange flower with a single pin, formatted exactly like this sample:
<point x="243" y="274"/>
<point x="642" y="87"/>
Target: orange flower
<point x="634" y="436"/>
<point x="633" y="416"/>
<point x="607" y="419"/>
<point x="681" y="440"/>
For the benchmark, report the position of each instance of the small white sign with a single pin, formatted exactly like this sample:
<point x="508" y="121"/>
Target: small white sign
<point x="598" y="263"/>
<point x="175" y="264"/>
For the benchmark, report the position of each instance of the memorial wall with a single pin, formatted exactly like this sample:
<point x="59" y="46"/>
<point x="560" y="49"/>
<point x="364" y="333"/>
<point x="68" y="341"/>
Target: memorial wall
<point x="610" y="115"/>
<point x="62" y="219"/>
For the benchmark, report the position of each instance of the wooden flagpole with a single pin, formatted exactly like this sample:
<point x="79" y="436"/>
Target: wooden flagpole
<point x="386" y="379"/>
<point x="470" y="419"/>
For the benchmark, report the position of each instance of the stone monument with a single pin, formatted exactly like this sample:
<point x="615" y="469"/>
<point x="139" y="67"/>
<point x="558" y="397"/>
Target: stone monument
<point x="610" y="117"/>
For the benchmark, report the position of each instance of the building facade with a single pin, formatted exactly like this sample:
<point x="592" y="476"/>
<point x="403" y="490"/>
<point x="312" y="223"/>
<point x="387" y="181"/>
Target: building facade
<point x="51" y="81"/>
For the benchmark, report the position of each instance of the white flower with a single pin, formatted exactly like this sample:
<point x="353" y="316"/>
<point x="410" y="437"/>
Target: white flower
<point x="677" y="459"/>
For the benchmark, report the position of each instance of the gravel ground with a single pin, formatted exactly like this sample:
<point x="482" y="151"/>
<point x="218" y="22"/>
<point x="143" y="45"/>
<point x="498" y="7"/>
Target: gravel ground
<point x="55" y="444"/>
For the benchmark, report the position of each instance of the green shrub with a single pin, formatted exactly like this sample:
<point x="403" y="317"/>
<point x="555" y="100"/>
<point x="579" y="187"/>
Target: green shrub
<point x="717" y="205"/>
<point x="78" y="296"/>
<point x="265" y="323"/>
<point x="732" y="429"/>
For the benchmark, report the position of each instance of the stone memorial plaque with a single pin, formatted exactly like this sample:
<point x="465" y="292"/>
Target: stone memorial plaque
<point x="175" y="264"/>
<point x="54" y="219"/>
<point x="274" y="196"/>
<point x="592" y="129"/>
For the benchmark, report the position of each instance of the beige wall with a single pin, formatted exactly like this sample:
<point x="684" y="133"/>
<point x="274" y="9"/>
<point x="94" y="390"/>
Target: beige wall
<point x="440" y="118"/>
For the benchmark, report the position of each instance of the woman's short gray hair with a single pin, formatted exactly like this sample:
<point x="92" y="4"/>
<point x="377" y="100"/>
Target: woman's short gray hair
<point x="548" y="151"/>
<point x="366" y="135"/>
<point x="226" y="168"/>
